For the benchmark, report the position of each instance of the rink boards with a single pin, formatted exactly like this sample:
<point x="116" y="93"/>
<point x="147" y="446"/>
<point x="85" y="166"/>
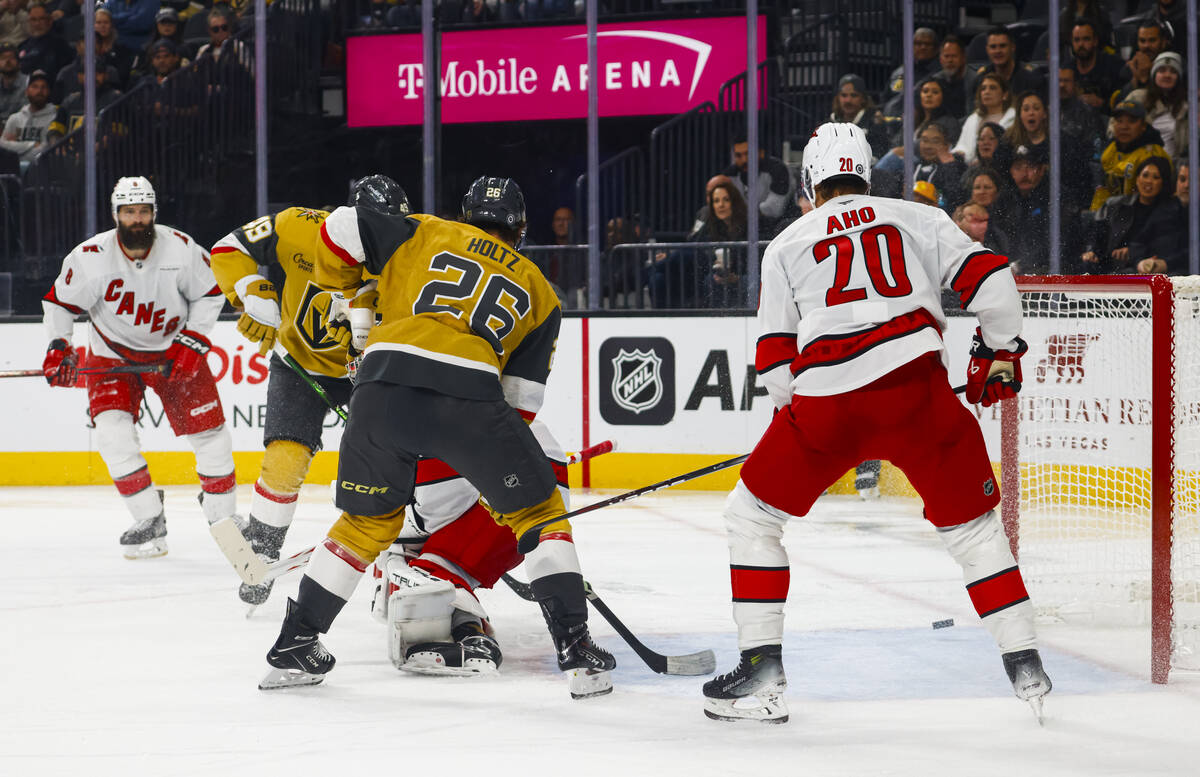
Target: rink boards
<point x="675" y="393"/>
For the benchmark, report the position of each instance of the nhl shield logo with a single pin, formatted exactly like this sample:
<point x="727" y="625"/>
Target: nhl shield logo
<point x="637" y="379"/>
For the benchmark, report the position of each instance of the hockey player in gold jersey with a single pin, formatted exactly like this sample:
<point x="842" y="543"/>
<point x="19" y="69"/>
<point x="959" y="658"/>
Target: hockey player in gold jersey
<point x="285" y="243"/>
<point x="456" y="367"/>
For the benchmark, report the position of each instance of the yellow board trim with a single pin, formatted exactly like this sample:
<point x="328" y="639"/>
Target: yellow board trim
<point x="167" y="468"/>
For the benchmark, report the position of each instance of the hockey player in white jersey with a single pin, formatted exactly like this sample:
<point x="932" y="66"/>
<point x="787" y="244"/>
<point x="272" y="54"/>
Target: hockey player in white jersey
<point x="850" y="350"/>
<point x="152" y="299"/>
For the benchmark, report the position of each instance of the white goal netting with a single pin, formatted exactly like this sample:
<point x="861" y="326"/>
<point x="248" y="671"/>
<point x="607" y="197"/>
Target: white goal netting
<point x="1085" y="446"/>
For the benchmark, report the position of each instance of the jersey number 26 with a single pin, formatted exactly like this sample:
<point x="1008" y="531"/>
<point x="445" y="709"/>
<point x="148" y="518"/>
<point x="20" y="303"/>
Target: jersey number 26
<point x="892" y="282"/>
<point x="493" y="316"/>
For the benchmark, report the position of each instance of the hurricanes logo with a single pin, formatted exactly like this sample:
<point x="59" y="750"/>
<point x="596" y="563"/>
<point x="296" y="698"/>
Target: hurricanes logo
<point x="637" y="380"/>
<point x="310" y="317"/>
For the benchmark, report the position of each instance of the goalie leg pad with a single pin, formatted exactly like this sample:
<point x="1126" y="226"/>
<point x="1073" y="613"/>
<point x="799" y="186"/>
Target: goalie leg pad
<point x="993" y="580"/>
<point x="419" y="609"/>
<point x="758" y="568"/>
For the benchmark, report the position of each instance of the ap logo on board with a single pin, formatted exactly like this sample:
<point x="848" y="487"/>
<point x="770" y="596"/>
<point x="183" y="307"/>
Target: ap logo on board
<point x="637" y="381"/>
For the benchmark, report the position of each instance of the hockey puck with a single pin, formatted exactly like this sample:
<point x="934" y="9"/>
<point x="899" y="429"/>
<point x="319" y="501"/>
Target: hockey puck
<point x="943" y="624"/>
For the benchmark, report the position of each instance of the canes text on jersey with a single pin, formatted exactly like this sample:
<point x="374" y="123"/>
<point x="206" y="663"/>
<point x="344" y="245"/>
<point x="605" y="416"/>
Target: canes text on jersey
<point x="143" y="313"/>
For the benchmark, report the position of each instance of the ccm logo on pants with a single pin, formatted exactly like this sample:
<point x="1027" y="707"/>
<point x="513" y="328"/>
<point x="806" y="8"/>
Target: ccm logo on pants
<point x="195" y="411"/>
<point x="358" y="488"/>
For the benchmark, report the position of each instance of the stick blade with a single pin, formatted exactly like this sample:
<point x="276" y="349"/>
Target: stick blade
<point x="692" y="664"/>
<point x="249" y="567"/>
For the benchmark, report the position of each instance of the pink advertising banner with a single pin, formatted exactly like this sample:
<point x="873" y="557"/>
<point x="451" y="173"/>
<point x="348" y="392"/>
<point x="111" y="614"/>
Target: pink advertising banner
<point x="527" y="73"/>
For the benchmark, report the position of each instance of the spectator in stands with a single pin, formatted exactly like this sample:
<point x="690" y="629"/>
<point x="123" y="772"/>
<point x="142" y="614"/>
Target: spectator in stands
<point x="12" y="22"/>
<point x="1181" y="184"/>
<point x="43" y="49"/>
<point x="1032" y="129"/>
<point x="1139" y="232"/>
<point x="1133" y="141"/>
<point x="1002" y="60"/>
<point x="404" y="13"/>
<point x="959" y="81"/>
<point x="1138" y="68"/>
<point x="480" y="11"/>
<point x="566" y="269"/>
<point x="165" y="60"/>
<point x="986" y="145"/>
<point x="938" y="166"/>
<point x="1152" y="40"/>
<point x="12" y="82"/>
<point x="134" y="19"/>
<point x="982" y="186"/>
<point x="622" y="282"/>
<point x="925" y="64"/>
<point x="1077" y="120"/>
<point x="1172" y="15"/>
<point x="993" y="103"/>
<point x="853" y="105"/>
<point x="113" y="53"/>
<point x="1165" y="101"/>
<point x="775" y="187"/>
<point x="1094" y="11"/>
<point x="222" y="49"/>
<point x="931" y="106"/>
<point x="1022" y="215"/>
<point x="705" y="277"/>
<point x="25" y="131"/>
<point x="167" y="26"/>
<point x="70" y="112"/>
<point x="63" y="9"/>
<point x="972" y="218"/>
<point x="545" y="9"/>
<point x="1097" y="73"/>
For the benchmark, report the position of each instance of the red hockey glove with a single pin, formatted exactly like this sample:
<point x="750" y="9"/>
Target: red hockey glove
<point x="61" y="363"/>
<point x="993" y="375"/>
<point x="187" y="353"/>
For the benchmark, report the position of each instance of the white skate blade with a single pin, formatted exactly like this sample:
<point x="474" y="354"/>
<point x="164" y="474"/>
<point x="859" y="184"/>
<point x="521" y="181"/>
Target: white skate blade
<point x="250" y="610"/>
<point x="770" y="708"/>
<point x="1036" y="703"/>
<point x="288" y="678"/>
<point x="433" y="663"/>
<point x="587" y="684"/>
<point x="150" y="549"/>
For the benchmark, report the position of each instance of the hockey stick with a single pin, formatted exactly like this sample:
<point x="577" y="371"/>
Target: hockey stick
<point x="529" y="540"/>
<point x="253" y="570"/>
<point x="162" y="368"/>
<point x="691" y="664"/>
<point x="289" y="361"/>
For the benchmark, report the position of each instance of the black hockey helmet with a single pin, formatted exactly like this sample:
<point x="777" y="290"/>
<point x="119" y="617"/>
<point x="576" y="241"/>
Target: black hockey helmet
<point x="494" y="201"/>
<point x="380" y="194"/>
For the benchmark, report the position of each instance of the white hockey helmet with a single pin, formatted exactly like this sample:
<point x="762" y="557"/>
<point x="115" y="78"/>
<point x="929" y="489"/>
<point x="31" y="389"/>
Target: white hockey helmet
<point x="133" y="190"/>
<point x="835" y="149"/>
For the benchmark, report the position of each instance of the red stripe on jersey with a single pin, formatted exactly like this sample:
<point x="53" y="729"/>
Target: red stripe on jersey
<point x="440" y="572"/>
<point x="565" y="536"/>
<point x="133" y="483"/>
<point x="838" y="349"/>
<point x="434" y="471"/>
<point x="223" y="250"/>
<point x="215" y="291"/>
<point x="217" y="485"/>
<point x="345" y="555"/>
<point x="773" y="350"/>
<point x="974" y="271"/>
<point x="997" y="592"/>
<point x="51" y="296"/>
<point x="759" y="584"/>
<point x="340" y="252"/>
<point x="266" y="493"/>
<point x="526" y="415"/>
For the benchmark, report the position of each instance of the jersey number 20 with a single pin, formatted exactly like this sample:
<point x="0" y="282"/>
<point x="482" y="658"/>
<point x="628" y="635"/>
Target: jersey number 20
<point x="493" y="316"/>
<point x="898" y="285"/>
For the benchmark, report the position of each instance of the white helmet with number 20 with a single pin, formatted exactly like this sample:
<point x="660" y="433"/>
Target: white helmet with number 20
<point x="835" y="149"/>
<point x="133" y="190"/>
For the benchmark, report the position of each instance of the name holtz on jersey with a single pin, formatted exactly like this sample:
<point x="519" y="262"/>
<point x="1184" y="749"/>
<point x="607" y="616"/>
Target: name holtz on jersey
<point x="137" y="305"/>
<point x="461" y="313"/>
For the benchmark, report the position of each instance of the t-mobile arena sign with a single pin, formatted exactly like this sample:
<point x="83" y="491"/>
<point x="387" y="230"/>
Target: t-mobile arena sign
<point x="525" y="73"/>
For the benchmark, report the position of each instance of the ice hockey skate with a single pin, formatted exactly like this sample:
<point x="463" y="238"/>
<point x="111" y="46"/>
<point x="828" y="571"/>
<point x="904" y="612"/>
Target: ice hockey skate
<point x="472" y="653"/>
<point x="753" y="691"/>
<point x="587" y="665"/>
<point x="266" y="541"/>
<point x="297" y="658"/>
<point x="147" y="538"/>
<point x="1029" y="679"/>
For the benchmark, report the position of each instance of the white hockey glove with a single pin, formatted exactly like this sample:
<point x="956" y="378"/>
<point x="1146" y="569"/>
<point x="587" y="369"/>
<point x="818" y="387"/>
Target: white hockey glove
<point x="260" y="318"/>
<point x="348" y="322"/>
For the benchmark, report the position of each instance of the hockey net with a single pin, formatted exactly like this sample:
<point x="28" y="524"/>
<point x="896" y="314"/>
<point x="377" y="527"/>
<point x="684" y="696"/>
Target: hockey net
<point x="1101" y="457"/>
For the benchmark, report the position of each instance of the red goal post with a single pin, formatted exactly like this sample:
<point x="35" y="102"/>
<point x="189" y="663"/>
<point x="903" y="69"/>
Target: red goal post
<point x="1100" y="463"/>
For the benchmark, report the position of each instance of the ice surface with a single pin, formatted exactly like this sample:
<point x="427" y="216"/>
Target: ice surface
<point x="149" y="667"/>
